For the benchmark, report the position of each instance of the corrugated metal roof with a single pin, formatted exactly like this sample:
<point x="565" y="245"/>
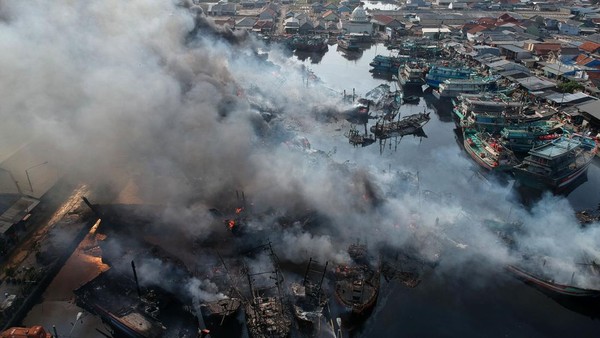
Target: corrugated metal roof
<point x="592" y="108"/>
<point x="533" y="83"/>
<point x="566" y="97"/>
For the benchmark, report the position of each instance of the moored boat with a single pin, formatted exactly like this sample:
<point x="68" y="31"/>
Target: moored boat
<point x="487" y="151"/>
<point x="411" y="99"/>
<point x="308" y="43"/>
<point x="521" y="138"/>
<point x="555" y="164"/>
<point x="385" y="64"/>
<point x="493" y="111"/>
<point x="411" y="75"/>
<point x="405" y="126"/>
<point x="438" y="74"/>
<point x="455" y="87"/>
<point x="579" y="280"/>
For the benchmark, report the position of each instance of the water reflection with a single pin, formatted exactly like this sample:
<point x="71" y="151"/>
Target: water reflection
<point x="351" y="55"/>
<point x="314" y="57"/>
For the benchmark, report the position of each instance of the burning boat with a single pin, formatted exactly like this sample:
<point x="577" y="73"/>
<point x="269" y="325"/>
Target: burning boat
<point x="221" y="310"/>
<point x="150" y="314"/>
<point x="356" y="139"/>
<point x="309" y="298"/>
<point x="25" y="332"/>
<point x="357" y="284"/>
<point x="266" y="315"/>
<point x="407" y="125"/>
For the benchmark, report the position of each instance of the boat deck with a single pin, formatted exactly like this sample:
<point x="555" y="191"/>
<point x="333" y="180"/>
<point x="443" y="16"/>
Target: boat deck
<point x="556" y="148"/>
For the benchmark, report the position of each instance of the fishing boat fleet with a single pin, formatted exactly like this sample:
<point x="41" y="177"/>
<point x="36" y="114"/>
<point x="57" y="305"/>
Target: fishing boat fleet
<point x="503" y="134"/>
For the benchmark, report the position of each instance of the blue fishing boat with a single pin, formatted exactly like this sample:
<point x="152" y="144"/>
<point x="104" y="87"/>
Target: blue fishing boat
<point x="523" y="137"/>
<point x="492" y="112"/>
<point x="555" y="164"/>
<point x="386" y="64"/>
<point x="438" y="74"/>
<point x="455" y="87"/>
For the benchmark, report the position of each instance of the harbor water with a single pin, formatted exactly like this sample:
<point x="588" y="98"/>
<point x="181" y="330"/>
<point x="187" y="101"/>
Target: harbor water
<point x="444" y="305"/>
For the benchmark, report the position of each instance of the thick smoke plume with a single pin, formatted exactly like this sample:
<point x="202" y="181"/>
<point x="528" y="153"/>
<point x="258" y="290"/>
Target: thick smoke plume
<point x="152" y="93"/>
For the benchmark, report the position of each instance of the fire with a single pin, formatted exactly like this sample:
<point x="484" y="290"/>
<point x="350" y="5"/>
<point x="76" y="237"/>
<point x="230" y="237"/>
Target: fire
<point x="231" y="224"/>
<point x="238" y="210"/>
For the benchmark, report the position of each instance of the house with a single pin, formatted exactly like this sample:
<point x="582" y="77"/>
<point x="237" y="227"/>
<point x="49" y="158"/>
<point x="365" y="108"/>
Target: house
<point x="511" y="27"/>
<point x="274" y="7"/>
<point x="252" y="3"/>
<point x="330" y="16"/>
<point x="291" y="25"/>
<point x="316" y="7"/>
<point x="267" y="14"/>
<point x="245" y="23"/>
<point x="551" y="24"/>
<point x="223" y="9"/>
<point x="330" y="7"/>
<point x="542" y="48"/>
<point x="263" y="26"/>
<point x="383" y="23"/>
<point x="306" y="27"/>
<point x="344" y="10"/>
<point x="457" y="5"/>
<point x="513" y="52"/>
<point x="592" y="111"/>
<point x="476" y="31"/>
<point x="320" y="26"/>
<point x="510" y="17"/>
<point x="569" y="27"/>
<point x="587" y="61"/>
<point x="545" y="7"/>
<point x="589" y="47"/>
<point x="226" y="22"/>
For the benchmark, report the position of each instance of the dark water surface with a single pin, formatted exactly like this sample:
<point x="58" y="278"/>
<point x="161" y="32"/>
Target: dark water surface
<point x="451" y="306"/>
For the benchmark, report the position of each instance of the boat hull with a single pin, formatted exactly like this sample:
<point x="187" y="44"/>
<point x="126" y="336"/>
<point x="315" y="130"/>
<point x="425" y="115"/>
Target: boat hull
<point x="540" y="182"/>
<point x="565" y="290"/>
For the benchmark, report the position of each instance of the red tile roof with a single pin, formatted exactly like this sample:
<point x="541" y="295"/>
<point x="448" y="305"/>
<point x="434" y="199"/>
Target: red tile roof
<point x="384" y="19"/>
<point x="589" y="46"/>
<point x="477" y="29"/>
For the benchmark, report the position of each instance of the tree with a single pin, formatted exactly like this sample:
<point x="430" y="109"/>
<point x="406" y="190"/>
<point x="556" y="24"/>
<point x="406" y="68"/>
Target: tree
<point x="569" y="86"/>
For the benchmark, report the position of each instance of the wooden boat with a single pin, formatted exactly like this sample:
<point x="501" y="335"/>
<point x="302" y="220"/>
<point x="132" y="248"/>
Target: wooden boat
<point x="411" y="99"/>
<point x="309" y="298"/>
<point x="25" y="332"/>
<point x="487" y="151"/>
<point x="555" y="164"/>
<point x="266" y="314"/>
<point x="411" y="74"/>
<point x="357" y="284"/>
<point x="438" y="74"/>
<point x="521" y="138"/>
<point x="408" y="125"/>
<point x="576" y="280"/>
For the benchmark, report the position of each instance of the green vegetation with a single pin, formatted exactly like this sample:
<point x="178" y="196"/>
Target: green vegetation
<point x="569" y="86"/>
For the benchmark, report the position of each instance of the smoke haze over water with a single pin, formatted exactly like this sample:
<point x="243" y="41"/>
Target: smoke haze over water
<point x="121" y="90"/>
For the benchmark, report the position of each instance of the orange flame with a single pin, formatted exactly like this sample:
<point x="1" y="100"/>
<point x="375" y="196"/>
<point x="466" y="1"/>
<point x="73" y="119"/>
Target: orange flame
<point x="231" y="224"/>
<point x="238" y="210"/>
